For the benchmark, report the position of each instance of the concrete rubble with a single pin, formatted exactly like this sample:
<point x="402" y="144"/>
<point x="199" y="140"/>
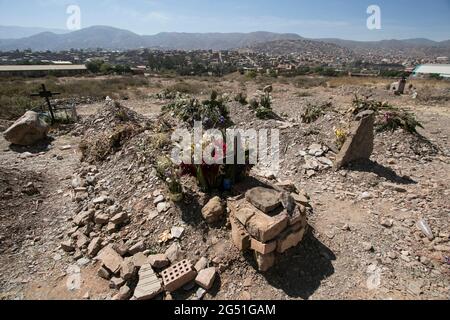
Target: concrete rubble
<point x="360" y="143"/>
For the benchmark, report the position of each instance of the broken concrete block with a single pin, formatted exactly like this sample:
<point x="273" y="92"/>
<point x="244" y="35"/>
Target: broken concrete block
<point x="111" y="228"/>
<point x="265" y="261"/>
<point x="139" y="259"/>
<point x="121" y="249"/>
<point x="265" y="228"/>
<point x="296" y="216"/>
<point x="158" y="261"/>
<point x="124" y="293"/>
<point x="300" y="199"/>
<point x="360" y="142"/>
<point x="173" y="252"/>
<point x="244" y="214"/>
<point x="104" y="273"/>
<point x="263" y="248"/>
<point x="128" y="269"/>
<point x="27" y="130"/>
<point x="213" y="211"/>
<point x="149" y="286"/>
<point x="201" y="264"/>
<point x="178" y="275"/>
<point x="240" y="236"/>
<point x="290" y="240"/>
<point x="110" y="259"/>
<point x="101" y="218"/>
<point x="138" y="247"/>
<point x="94" y="247"/>
<point x="266" y="200"/>
<point x="67" y="246"/>
<point x="83" y="218"/>
<point x="119" y="218"/>
<point x="82" y="240"/>
<point x="116" y="283"/>
<point x="206" y="278"/>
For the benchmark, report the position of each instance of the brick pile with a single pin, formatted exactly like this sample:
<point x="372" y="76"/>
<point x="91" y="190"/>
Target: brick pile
<point x="268" y="222"/>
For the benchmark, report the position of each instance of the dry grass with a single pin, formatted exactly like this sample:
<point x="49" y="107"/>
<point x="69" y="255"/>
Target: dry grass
<point x="15" y="93"/>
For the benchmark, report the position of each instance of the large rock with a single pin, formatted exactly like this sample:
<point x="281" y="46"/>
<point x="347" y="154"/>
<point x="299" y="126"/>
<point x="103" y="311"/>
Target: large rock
<point x="266" y="200"/>
<point x="28" y="130"/>
<point x="213" y="211"/>
<point x="110" y="259"/>
<point x="359" y="144"/>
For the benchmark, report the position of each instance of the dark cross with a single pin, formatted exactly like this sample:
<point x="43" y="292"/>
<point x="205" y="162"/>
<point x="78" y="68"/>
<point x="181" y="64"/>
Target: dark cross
<point x="47" y="95"/>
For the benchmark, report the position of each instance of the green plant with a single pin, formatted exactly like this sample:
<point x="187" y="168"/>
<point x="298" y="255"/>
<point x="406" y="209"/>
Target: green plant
<point x="213" y="113"/>
<point x="393" y="120"/>
<point x="167" y="172"/>
<point x="314" y="112"/>
<point x="241" y="97"/>
<point x="341" y="137"/>
<point x="262" y="106"/>
<point x="389" y="118"/>
<point x="251" y="74"/>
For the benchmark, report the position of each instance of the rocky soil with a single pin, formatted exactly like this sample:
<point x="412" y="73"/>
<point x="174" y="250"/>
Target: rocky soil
<point x="57" y="212"/>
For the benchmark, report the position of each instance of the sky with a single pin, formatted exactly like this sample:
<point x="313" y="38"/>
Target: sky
<point x="346" y="19"/>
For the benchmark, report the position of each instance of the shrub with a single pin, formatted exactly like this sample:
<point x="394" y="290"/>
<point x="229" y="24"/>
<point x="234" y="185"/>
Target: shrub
<point x="213" y="113"/>
<point x="251" y="74"/>
<point x="241" y="98"/>
<point x="341" y="137"/>
<point x="262" y="105"/>
<point x="393" y="120"/>
<point x="389" y="118"/>
<point x="314" y="112"/>
<point x="167" y="172"/>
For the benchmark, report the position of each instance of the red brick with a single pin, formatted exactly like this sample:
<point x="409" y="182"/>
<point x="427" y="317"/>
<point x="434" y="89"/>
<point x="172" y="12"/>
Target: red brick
<point x="244" y="214"/>
<point x="265" y="261"/>
<point x="240" y="236"/>
<point x="265" y="228"/>
<point x="178" y="275"/>
<point x="290" y="240"/>
<point x="263" y="248"/>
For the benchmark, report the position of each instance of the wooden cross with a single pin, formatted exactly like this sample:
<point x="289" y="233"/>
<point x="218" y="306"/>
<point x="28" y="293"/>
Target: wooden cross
<point x="44" y="93"/>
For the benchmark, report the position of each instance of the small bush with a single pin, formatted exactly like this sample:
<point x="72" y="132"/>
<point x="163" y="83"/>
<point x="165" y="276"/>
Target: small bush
<point x="393" y="120"/>
<point x="251" y="74"/>
<point x="263" y="107"/>
<point x="341" y="137"/>
<point x="213" y="113"/>
<point x="100" y="147"/>
<point x="241" y="98"/>
<point x="170" y="175"/>
<point x="389" y="118"/>
<point x="314" y="112"/>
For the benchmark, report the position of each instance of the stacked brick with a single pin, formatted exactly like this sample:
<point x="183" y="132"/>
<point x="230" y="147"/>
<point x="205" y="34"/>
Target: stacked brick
<point x="267" y="224"/>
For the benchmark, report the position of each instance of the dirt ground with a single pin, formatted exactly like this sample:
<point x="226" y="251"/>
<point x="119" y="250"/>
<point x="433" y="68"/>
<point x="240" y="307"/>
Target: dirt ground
<point x="333" y="261"/>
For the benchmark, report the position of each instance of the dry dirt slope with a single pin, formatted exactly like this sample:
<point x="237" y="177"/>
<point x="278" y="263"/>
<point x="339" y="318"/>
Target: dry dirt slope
<point x="357" y="248"/>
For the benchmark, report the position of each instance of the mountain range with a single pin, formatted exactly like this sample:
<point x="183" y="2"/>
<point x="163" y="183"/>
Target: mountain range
<point x="15" y="32"/>
<point x="112" y="38"/>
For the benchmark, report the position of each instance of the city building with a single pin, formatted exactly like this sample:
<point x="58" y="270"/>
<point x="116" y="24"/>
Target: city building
<point x="424" y="70"/>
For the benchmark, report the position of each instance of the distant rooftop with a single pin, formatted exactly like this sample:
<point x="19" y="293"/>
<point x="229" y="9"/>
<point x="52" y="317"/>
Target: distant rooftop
<point x="442" y="69"/>
<point x="50" y="67"/>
